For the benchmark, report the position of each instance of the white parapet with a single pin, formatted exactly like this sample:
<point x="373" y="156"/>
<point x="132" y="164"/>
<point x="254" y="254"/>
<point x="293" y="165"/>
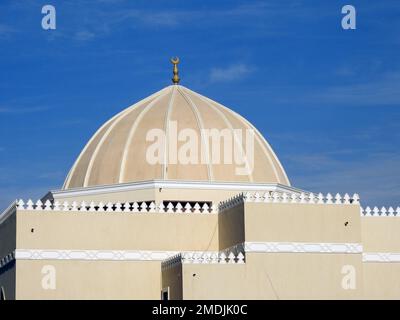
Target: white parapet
<point x="203" y="257"/>
<point x="289" y="198"/>
<point x="380" y="212"/>
<point x="127" y="207"/>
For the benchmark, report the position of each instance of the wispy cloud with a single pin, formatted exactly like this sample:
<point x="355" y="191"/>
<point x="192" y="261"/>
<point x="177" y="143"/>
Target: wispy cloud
<point x="380" y="90"/>
<point x="174" y="18"/>
<point x="17" y="110"/>
<point x="231" y="73"/>
<point x="104" y="19"/>
<point x="376" y="176"/>
<point x="384" y="91"/>
<point x="84" y="35"/>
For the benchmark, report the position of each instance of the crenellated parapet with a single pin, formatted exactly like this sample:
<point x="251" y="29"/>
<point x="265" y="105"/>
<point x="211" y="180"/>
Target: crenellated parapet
<point x="292" y="198"/>
<point x="380" y="212"/>
<point x="187" y="207"/>
<point x="129" y="207"/>
<point x="206" y="257"/>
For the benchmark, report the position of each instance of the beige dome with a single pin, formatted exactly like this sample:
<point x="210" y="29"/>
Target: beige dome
<point x="117" y="152"/>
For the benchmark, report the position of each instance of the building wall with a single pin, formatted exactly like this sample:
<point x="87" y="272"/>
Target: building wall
<point x="101" y="279"/>
<point x="7" y="246"/>
<point x="288" y="222"/>
<point x="381" y="235"/>
<point x="117" y="231"/>
<point x="89" y="279"/>
<point x="214" y="281"/>
<point x="282" y="275"/>
<point x="274" y="276"/>
<point x="265" y="275"/>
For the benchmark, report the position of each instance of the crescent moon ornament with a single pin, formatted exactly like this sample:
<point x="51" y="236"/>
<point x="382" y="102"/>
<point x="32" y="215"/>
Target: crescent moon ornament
<point x="175" y="60"/>
<point x="175" y="78"/>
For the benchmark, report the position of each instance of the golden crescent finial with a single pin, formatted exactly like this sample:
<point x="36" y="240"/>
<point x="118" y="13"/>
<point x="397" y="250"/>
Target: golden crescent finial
<point x="175" y="60"/>
<point x="175" y="78"/>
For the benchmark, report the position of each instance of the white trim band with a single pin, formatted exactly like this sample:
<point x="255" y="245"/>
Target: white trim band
<point x="106" y="255"/>
<point x="142" y="255"/>
<point x="248" y="247"/>
<point x="381" y="257"/>
<point x="302" y="247"/>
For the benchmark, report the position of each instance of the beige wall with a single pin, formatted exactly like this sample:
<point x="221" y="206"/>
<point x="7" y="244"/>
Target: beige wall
<point x="117" y="231"/>
<point x="382" y="280"/>
<point x="305" y="275"/>
<point x="381" y="235"/>
<point x="214" y="281"/>
<point x="90" y="279"/>
<point x="274" y="276"/>
<point x="302" y="223"/>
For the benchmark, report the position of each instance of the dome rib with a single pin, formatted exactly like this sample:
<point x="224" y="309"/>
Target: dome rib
<point x="98" y="147"/>
<point x="107" y="133"/>
<point x="67" y="182"/>
<point x="166" y="128"/>
<point x="262" y="141"/>
<point x="229" y="124"/>
<point x="131" y="134"/>
<point x="71" y="172"/>
<point x="201" y="127"/>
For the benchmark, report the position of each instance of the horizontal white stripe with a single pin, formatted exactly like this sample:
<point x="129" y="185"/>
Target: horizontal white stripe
<point x="302" y="247"/>
<point x="142" y="255"/>
<point x="146" y="255"/>
<point x="249" y="247"/>
<point x="381" y="257"/>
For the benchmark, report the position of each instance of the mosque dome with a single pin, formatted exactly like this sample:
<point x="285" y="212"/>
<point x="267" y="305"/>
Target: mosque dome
<point x="119" y="151"/>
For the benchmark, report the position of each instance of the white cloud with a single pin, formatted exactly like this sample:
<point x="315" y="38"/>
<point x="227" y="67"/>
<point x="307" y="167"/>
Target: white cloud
<point x="376" y="176"/>
<point x="16" y="110"/>
<point x="84" y="35"/>
<point x="383" y="90"/>
<point x="231" y="73"/>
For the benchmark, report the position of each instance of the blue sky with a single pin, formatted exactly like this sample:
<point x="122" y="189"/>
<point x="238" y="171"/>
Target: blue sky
<point x="327" y="99"/>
